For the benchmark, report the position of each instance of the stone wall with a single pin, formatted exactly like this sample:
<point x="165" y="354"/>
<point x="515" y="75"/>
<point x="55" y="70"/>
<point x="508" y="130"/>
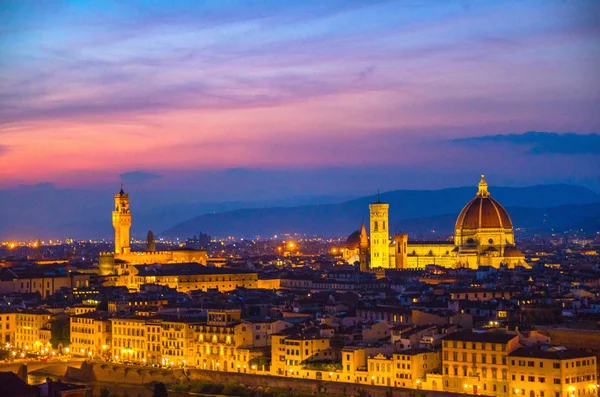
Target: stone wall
<point x="100" y="372"/>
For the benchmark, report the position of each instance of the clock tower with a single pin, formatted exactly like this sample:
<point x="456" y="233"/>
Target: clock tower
<point x="380" y="237"/>
<point x="121" y="220"/>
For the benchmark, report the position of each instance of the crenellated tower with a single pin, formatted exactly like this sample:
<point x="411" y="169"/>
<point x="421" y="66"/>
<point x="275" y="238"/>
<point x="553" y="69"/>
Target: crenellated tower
<point x="121" y="219"/>
<point x="380" y="237"/>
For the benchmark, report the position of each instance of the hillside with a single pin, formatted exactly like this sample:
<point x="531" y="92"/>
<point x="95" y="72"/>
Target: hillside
<point x="412" y="211"/>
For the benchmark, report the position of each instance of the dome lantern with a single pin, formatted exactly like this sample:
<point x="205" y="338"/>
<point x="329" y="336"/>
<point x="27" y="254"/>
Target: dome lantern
<point x="483" y="188"/>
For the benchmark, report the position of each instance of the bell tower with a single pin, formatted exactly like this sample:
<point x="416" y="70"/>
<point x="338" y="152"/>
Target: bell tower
<point x="380" y="237"/>
<point x="121" y="220"/>
<point x="363" y="248"/>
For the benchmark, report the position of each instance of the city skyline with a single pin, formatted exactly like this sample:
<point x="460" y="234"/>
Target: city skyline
<point x="297" y="98"/>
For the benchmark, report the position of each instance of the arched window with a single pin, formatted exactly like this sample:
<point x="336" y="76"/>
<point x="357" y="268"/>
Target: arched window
<point x="375" y="226"/>
<point x="491" y="241"/>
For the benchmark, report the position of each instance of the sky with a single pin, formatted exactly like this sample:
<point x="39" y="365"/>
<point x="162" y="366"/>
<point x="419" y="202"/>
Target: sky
<point x="232" y="100"/>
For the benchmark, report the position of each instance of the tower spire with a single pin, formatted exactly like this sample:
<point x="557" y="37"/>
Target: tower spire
<point x="122" y="191"/>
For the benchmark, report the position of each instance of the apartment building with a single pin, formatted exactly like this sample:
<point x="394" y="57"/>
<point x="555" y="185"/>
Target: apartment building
<point x="477" y="362"/>
<point x="129" y="338"/>
<point x="552" y="372"/>
<point x="91" y="334"/>
<point x="8" y="326"/>
<point x="292" y="351"/>
<point x="32" y="329"/>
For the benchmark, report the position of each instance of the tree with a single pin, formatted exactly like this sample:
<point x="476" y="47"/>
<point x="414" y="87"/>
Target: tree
<point x="60" y="331"/>
<point x="160" y="390"/>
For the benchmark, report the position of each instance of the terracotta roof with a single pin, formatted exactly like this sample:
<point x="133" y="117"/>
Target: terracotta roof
<point x="511" y="251"/>
<point x="550" y="353"/>
<point x="486" y="337"/>
<point x="483" y="212"/>
<point x="353" y="240"/>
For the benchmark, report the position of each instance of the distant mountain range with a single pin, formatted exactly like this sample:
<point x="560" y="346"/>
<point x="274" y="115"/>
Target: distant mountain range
<point x="417" y="212"/>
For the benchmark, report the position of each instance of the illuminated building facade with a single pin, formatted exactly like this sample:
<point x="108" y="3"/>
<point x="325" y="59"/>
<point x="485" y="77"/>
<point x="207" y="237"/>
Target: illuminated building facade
<point x="483" y="236"/>
<point x="477" y="362"/>
<point x="8" y="326"/>
<point x="226" y="343"/>
<point x="32" y="329"/>
<point x="290" y="353"/>
<point x="186" y="277"/>
<point x="41" y="281"/>
<point x="380" y="236"/>
<point x="177" y="338"/>
<point x="121" y="220"/>
<point x="129" y="339"/>
<point x="552" y="372"/>
<point x="90" y="335"/>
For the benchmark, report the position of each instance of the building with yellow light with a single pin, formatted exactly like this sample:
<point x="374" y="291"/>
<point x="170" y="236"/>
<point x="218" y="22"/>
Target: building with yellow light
<point x="226" y="343"/>
<point x="32" y="330"/>
<point x="178" y="340"/>
<point x="380" y="236"/>
<point x="477" y="362"/>
<point x="186" y="277"/>
<point x="483" y="236"/>
<point x="8" y="326"/>
<point x="91" y="334"/>
<point x="39" y="281"/>
<point x="291" y="352"/>
<point x="129" y="338"/>
<point x="411" y="367"/>
<point x="552" y="372"/>
<point x="121" y="220"/>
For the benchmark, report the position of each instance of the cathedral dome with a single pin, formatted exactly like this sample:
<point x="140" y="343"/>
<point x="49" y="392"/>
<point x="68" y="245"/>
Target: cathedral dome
<point x="483" y="212"/>
<point x="353" y="240"/>
<point x="512" y="252"/>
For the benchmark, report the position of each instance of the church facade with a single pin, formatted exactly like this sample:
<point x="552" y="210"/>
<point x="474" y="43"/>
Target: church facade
<point x="483" y="236"/>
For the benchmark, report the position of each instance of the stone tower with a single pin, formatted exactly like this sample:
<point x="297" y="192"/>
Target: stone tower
<point x="363" y="248"/>
<point x="401" y="246"/>
<point x="121" y="220"/>
<point x="380" y="238"/>
<point x="151" y="245"/>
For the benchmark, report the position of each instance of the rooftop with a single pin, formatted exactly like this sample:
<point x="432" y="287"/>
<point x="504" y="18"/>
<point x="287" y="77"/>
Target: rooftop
<point x="550" y="353"/>
<point x="486" y="337"/>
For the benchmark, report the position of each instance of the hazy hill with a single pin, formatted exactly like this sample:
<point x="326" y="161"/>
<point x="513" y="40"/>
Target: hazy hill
<point x="413" y="211"/>
<point x="564" y="217"/>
